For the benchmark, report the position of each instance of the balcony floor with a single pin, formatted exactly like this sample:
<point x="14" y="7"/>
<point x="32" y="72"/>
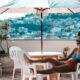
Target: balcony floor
<point x="18" y="77"/>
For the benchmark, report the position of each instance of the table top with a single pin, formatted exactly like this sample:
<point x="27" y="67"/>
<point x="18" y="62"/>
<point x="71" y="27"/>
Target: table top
<point x="45" y="53"/>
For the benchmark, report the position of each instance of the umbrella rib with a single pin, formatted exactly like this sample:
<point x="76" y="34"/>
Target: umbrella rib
<point x="53" y="4"/>
<point x="70" y="10"/>
<point x="4" y="11"/>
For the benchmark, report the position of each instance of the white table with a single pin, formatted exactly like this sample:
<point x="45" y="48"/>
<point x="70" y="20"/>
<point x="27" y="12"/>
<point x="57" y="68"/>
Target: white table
<point x="45" y="54"/>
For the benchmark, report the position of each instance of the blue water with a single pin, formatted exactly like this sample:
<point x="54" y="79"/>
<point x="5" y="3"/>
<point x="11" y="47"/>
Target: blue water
<point x="55" y="26"/>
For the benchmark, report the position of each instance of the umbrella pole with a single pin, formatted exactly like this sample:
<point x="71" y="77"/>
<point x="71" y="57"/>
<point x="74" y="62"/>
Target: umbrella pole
<point x="41" y="10"/>
<point x="41" y="21"/>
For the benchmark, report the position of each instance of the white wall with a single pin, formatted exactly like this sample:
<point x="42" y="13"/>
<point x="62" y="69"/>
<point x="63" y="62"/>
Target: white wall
<point x="49" y="45"/>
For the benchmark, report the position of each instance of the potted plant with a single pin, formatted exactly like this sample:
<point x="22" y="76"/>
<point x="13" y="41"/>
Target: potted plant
<point x="5" y="25"/>
<point x="65" y="50"/>
<point x="4" y="28"/>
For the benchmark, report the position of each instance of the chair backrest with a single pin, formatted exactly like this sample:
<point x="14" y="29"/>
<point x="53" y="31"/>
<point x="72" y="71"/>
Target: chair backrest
<point x="16" y="54"/>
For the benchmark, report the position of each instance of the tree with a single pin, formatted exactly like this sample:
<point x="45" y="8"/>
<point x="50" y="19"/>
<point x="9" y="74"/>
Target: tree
<point x="4" y="25"/>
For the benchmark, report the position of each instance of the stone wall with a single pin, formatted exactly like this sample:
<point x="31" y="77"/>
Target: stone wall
<point x="7" y="64"/>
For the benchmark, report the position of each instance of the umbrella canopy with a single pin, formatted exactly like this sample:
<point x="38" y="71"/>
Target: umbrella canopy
<point x="39" y="3"/>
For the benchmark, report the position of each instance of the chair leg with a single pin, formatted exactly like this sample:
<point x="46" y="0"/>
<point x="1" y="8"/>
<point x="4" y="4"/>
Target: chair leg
<point x="58" y="76"/>
<point x="27" y="78"/>
<point x="13" y="74"/>
<point x="30" y="78"/>
<point x="48" y="77"/>
<point x="74" y="76"/>
<point x="21" y="74"/>
<point x="39" y="77"/>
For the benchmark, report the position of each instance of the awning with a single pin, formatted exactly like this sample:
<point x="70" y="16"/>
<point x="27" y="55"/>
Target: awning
<point x="32" y="10"/>
<point x="39" y="3"/>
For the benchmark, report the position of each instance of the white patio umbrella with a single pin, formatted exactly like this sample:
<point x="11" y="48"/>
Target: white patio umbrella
<point x="40" y="11"/>
<point x="39" y="3"/>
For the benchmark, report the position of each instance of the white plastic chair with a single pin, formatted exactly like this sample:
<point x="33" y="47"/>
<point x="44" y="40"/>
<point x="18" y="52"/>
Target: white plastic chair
<point x="29" y="72"/>
<point x="16" y="54"/>
<point x="45" y="66"/>
<point x="74" y="75"/>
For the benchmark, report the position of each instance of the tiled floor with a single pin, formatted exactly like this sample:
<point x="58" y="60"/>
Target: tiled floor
<point x="7" y="76"/>
<point x="18" y="77"/>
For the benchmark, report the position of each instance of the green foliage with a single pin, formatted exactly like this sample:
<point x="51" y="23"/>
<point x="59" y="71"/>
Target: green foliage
<point x="3" y="28"/>
<point x="5" y="25"/>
